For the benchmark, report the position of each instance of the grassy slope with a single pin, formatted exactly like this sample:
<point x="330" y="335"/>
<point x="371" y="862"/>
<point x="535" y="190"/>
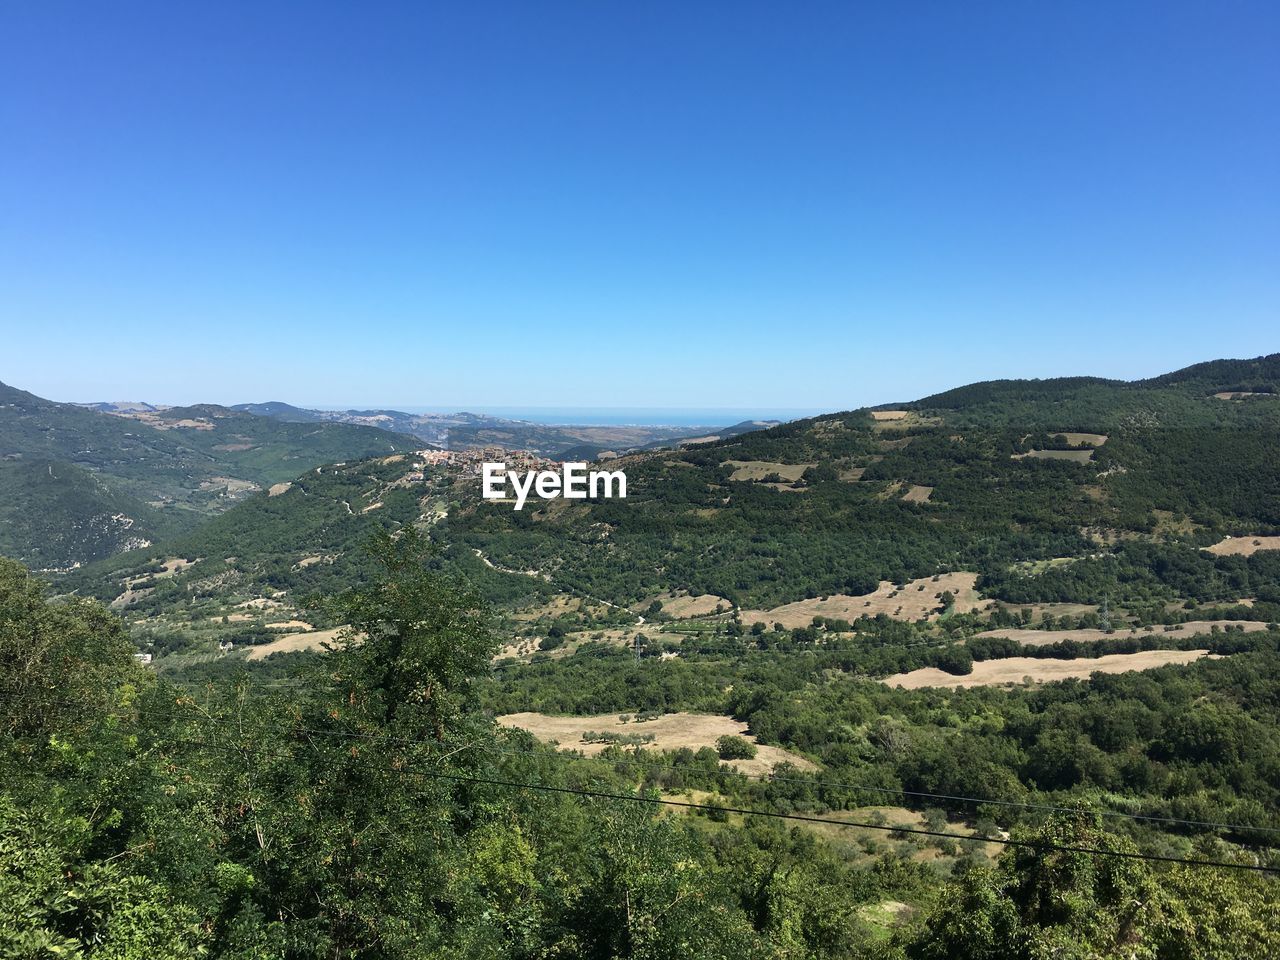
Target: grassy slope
<point x="1207" y="464"/>
<point x="55" y="513"/>
<point x="1180" y="468"/>
<point x="120" y="466"/>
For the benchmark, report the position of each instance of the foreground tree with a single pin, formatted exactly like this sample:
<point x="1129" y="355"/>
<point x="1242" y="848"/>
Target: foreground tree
<point x="1042" y="901"/>
<point x="60" y="663"/>
<point x="417" y="640"/>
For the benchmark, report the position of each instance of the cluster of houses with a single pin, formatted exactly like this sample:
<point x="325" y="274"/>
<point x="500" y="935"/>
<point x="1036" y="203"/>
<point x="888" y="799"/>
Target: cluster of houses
<point x="471" y="460"/>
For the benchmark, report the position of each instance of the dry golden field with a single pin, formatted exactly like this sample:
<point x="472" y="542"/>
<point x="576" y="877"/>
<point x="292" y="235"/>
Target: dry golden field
<point x="1016" y="669"/>
<point x="1243" y="546"/>
<point x="1079" y="456"/>
<point x="293" y="642"/>
<point x="681" y="606"/>
<point x="1081" y="439"/>
<point x="919" y="598"/>
<point x="759" y="469"/>
<point x="1042" y="638"/>
<point x="671" y="732"/>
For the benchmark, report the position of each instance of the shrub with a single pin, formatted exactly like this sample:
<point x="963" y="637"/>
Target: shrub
<point x="955" y="660"/>
<point x="731" y="747"/>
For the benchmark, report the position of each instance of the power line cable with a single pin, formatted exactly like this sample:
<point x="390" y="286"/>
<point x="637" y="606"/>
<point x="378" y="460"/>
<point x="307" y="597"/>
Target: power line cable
<point x="803" y="818"/>
<point x="815" y="782"/>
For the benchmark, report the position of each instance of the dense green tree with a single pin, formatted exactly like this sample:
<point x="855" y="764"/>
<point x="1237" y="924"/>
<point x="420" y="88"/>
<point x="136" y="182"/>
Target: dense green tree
<point x="416" y="640"/>
<point x="1050" y="898"/>
<point x="731" y="747"/>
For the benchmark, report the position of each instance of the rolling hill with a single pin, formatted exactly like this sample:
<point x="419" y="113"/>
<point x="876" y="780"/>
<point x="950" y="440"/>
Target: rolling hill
<point x="56" y="514"/>
<point x="1071" y="492"/>
<point x="84" y="483"/>
<point x="965" y="605"/>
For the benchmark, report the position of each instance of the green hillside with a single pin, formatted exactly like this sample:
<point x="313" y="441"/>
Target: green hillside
<point x="873" y="600"/>
<point x="1007" y="484"/>
<point x="161" y="471"/>
<point x="56" y="514"/>
<point x="293" y="814"/>
<point x="1079" y="492"/>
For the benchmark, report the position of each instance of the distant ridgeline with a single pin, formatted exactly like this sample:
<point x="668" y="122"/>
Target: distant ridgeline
<point x="80" y="484"/>
<point x="1072" y="491"/>
<point x="465" y="431"/>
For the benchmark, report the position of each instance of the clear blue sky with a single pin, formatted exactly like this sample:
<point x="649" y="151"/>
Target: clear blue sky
<point x="633" y="204"/>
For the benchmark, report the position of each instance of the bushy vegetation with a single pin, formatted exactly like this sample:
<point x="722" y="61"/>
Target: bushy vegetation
<point x="1178" y="470"/>
<point x="730" y="747"/>
<point x="1111" y="736"/>
<point x="363" y="803"/>
<point x="372" y="811"/>
<point x="80" y="484"/>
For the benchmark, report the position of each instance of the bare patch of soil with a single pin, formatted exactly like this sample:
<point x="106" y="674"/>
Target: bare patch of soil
<point x="671" y="732"/>
<point x="1015" y="670"/>
<point x="1243" y="546"/>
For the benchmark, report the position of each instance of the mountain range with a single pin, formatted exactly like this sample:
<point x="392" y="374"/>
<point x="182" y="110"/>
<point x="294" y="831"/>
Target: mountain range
<point x="84" y="481"/>
<point x="1077" y="492"/>
<point x="466" y="431"/>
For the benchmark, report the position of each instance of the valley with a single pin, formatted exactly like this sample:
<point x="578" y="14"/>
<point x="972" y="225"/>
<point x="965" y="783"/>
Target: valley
<point x="913" y="628"/>
<point x="81" y="482"/>
<point x="467" y="431"/>
<point x="774" y="540"/>
<point x="597" y="481"/>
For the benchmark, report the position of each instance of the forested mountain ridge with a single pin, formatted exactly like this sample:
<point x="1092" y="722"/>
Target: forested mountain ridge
<point x="1081" y="493"/>
<point x="1018" y="472"/>
<point x="1173" y="400"/>
<point x="146" y="473"/>
<point x="1260" y="374"/>
<point x="786" y="580"/>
